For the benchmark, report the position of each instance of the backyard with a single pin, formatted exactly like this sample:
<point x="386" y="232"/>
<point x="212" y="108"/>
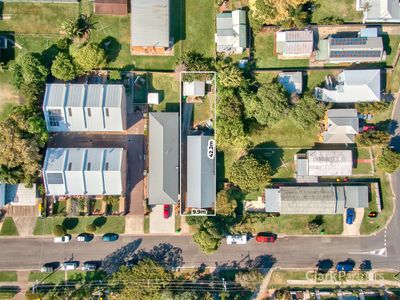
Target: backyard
<point x="344" y="9"/>
<point x="77" y="225"/>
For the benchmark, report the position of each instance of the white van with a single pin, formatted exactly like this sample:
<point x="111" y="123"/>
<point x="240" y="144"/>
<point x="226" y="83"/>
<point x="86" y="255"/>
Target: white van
<point x="69" y="265"/>
<point x="62" y="239"/>
<point x="239" y="239"/>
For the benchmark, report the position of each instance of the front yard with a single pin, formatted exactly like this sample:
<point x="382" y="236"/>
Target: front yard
<point x="77" y="225"/>
<point x="8" y="228"/>
<point x="59" y="276"/>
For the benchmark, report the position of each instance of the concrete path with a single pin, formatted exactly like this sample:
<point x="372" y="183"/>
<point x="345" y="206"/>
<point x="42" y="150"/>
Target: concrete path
<point x="25" y="225"/>
<point x="134" y="224"/>
<point x="263" y="292"/>
<point x="158" y="224"/>
<point x="353" y="229"/>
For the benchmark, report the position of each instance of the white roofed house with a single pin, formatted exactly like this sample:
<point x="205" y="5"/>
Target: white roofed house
<point x="294" y="44"/>
<point x="231" y="36"/>
<point x="84" y="107"/>
<point x="379" y="11"/>
<point x="341" y="126"/>
<point x="194" y="88"/>
<point x="84" y="171"/>
<point x="352" y="86"/>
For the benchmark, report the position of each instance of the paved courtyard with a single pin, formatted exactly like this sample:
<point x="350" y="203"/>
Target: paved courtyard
<point x="158" y="224"/>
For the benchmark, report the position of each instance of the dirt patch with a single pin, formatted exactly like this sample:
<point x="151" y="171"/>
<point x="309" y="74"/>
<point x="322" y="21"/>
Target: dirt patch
<point x="8" y="95"/>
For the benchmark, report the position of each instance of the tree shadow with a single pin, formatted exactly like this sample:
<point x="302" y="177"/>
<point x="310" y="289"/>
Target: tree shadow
<point x="366" y="265"/>
<point x="270" y="152"/>
<point x="100" y="221"/>
<point x="112" y="48"/>
<point x="49" y="54"/>
<point x="70" y="223"/>
<point x="220" y="169"/>
<point x="152" y="89"/>
<point x="113" y="261"/>
<point x="7" y="54"/>
<point x="324" y="265"/>
<point x="165" y="254"/>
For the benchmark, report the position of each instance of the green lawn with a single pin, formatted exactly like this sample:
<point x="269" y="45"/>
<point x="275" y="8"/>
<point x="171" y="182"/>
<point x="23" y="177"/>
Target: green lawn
<point x="146" y="224"/>
<point x="368" y="225"/>
<point x="363" y="168"/>
<point x="167" y="85"/>
<point x="292" y="224"/>
<point x="9" y="227"/>
<point x="345" y="9"/>
<point x="8" y="97"/>
<point x="204" y="111"/>
<point x="266" y="58"/>
<point x="279" y="278"/>
<point x="391" y="44"/>
<point x="59" y="276"/>
<point x="8" y="276"/>
<point x="8" y="293"/>
<point x="78" y="224"/>
<point x="200" y="27"/>
<point x="393" y="83"/>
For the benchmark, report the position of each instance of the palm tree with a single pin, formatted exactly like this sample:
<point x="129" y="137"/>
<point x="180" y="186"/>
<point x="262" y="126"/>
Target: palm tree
<point x="78" y="28"/>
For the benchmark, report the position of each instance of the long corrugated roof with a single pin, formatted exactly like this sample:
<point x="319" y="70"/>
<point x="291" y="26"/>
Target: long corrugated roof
<point x="150" y="23"/>
<point x="330" y="162"/>
<point x="163" y="158"/>
<point x="201" y="188"/>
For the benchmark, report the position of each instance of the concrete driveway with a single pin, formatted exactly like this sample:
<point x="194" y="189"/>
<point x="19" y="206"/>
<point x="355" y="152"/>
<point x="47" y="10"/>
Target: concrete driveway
<point x="353" y="229"/>
<point x="158" y="224"/>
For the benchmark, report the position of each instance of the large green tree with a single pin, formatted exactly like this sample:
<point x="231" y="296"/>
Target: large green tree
<point x="307" y="112"/>
<point x="63" y="68"/>
<point x="269" y="105"/>
<point x="373" y="137"/>
<point x="389" y="160"/>
<point x="229" y="75"/>
<point x="89" y="57"/>
<point x="143" y="281"/>
<point x="250" y="174"/>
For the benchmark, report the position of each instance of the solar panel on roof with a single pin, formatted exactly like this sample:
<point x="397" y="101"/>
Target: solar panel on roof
<point x="349" y="41"/>
<point x="355" y="53"/>
<point x="55" y="178"/>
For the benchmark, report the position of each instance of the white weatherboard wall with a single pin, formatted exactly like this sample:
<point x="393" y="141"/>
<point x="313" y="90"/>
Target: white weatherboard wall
<point x="84" y="171"/>
<point x="85" y="107"/>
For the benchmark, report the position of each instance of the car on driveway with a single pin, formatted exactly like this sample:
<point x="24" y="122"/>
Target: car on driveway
<point x="110" y="237"/>
<point x="84" y="237"/>
<point x="62" y="239"/>
<point x="266" y="237"/>
<point x="167" y="211"/>
<point x="350" y="216"/>
<point x="373" y="214"/>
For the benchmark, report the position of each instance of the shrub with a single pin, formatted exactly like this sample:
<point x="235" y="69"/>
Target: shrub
<point x="331" y="20"/>
<point x="59" y="230"/>
<point x="91" y="228"/>
<point x="389" y="160"/>
<point x="115" y="75"/>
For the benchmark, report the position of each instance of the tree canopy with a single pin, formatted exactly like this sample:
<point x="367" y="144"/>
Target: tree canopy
<point x="307" y="112"/>
<point x="389" y="160"/>
<point x="373" y="137"/>
<point x="63" y="67"/>
<point x="229" y="75"/>
<point x="226" y="203"/>
<point x="89" y="57"/>
<point x="250" y="279"/>
<point x="143" y="281"/>
<point x="269" y="105"/>
<point x="250" y="174"/>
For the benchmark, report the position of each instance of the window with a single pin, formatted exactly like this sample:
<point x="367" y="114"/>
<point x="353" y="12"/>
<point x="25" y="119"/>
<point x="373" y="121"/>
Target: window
<point x="69" y="112"/>
<point x="89" y="166"/>
<point x="89" y="112"/>
<point x="107" y="113"/>
<point x="55" y="117"/>
<point x="106" y="168"/>
<point x="70" y="166"/>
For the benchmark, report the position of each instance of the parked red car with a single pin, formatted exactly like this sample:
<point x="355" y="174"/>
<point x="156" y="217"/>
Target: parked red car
<point x="368" y="128"/>
<point x="266" y="237"/>
<point x="167" y="211"/>
<point x="373" y="214"/>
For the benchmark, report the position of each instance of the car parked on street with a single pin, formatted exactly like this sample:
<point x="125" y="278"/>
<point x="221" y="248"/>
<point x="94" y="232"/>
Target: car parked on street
<point x="84" y="237"/>
<point x="167" y="211"/>
<point x="90" y="266"/>
<point x="266" y="237"/>
<point x="47" y="268"/>
<point x="69" y="265"/>
<point x="350" y="216"/>
<point x="346" y="266"/>
<point x="62" y="239"/>
<point x="238" y="239"/>
<point x="110" y="237"/>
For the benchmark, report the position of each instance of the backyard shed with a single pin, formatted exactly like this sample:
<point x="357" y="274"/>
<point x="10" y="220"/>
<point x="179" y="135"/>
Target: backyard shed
<point x="194" y="88"/>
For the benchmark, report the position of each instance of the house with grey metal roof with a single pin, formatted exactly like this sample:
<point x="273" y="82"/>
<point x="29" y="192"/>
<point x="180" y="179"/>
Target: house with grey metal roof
<point x="231" y="36"/>
<point x="342" y="126"/>
<point x="292" y="82"/>
<point x="163" y="176"/>
<point x="352" y="86"/>
<point x="150" y="23"/>
<point x="294" y="43"/>
<point x="84" y="107"/>
<point x="324" y="163"/>
<point x="201" y="180"/>
<point x="379" y="11"/>
<point x="195" y="88"/>
<point x="84" y="171"/>
<point x="366" y="46"/>
<point x="315" y="199"/>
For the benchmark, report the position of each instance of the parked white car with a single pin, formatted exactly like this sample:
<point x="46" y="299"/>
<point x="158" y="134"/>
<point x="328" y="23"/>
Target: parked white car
<point x="239" y="239"/>
<point x="62" y="239"/>
<point x="69" y="265"/>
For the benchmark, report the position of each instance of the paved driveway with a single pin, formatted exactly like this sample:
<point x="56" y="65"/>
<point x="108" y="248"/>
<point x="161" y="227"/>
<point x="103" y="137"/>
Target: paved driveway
<point x="353" y="229"/>
<point x="158" y="224"/>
